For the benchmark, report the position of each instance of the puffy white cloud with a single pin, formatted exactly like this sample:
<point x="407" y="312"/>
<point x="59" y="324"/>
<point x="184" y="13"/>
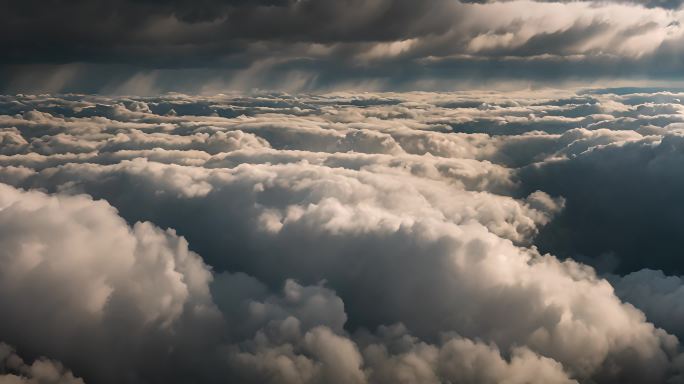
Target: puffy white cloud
<point x="395" y="356"/>
<point x="13" y="370"/>
<point x="79" y="284"/>
<point x="210" y="143"/>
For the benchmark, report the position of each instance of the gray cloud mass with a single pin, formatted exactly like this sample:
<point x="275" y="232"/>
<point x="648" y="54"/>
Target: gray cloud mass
<point x="209" y="46"/>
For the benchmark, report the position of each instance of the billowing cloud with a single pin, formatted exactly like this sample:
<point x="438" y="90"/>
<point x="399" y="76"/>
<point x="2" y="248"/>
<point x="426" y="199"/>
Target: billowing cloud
<point x="14" y="370"/>
<point x="351" y="238"/>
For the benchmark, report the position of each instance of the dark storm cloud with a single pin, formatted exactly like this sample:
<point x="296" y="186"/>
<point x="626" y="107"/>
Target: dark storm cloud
<point x="669" y="4"/>
<point x="142" y="47"/>
<point x="66" y="31"/>
<point x="637" y="182"/>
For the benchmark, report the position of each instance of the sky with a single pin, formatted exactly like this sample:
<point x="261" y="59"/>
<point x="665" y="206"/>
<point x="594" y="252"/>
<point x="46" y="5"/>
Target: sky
<point x="341" y="192"/>
<point x="210" y="46"/>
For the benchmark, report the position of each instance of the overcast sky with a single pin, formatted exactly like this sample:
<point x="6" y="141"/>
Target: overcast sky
<point x="209" y="46"/>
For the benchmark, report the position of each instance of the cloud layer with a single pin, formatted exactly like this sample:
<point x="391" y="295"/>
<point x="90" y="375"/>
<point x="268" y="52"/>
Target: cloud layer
<point x="344" y="238"/>
<point x="146" y="46"/>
